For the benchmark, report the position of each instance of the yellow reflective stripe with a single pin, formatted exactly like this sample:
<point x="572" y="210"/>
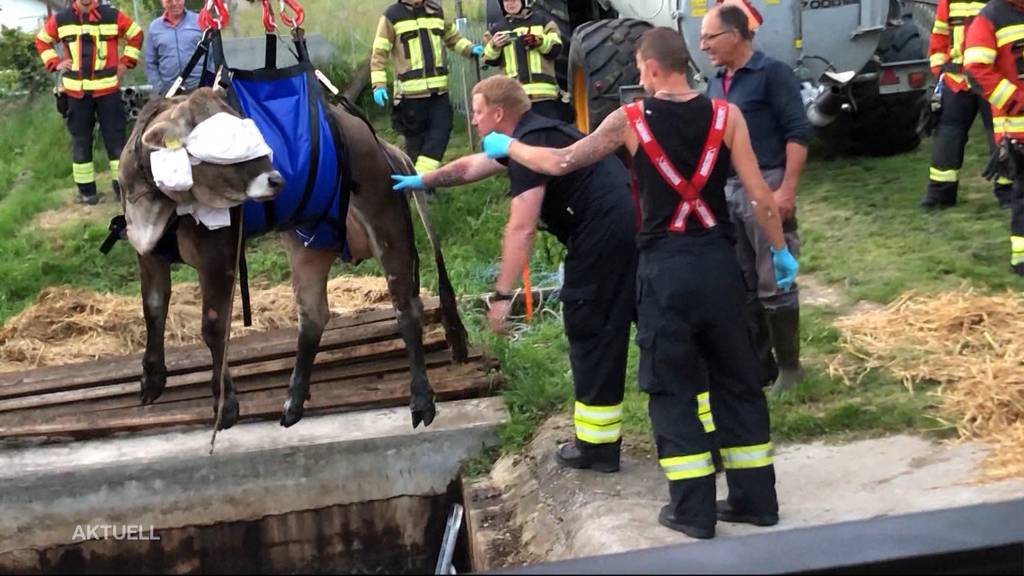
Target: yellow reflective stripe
<point x="1016" y="250"/>
<point x="742" y="457"/>
<point x="965" y="9"/>
<point x="111" y="30"/>
<point x="491" y="52"/>
<point x="1008" y="124"/>
<point x="937" y="175"/>
<point x="1009" y="34"/>
<point x="437" y="47"/>
<point x="704" y="411"/>
<point x="431" y="23"/>
<point x="941" y="28"/>
<point x="510" y="61"/>
<point x="597" y="414"/>
<point x="44" y="37"/>
<point x="133" y="30"/>
<point x="1002" y="94"/>
<point x="422" y="84"/>
<point x="381" y="44"/>
<point x="379" y="77"/>
<point x="114" y="165"/>
<point x="415" y="54"/>
<point x="83" y="173"/>
<point x="462" y="45"/>
<point x="536" y="66"/>
<point x="68" y="30"/>
<point x="708" y="422"/>
<point x="89" y="85"/>
<point x="956" y="48"/>
<point x="595" y="434"/>
<point x="404" y="26"/>
<point x="426" y="164"/>
<point x="938" y="59"/>
<point x="132" y="52"/>
<point x="686" y="467"/>
<point x="954" y="77"/>
<point x="979" y="55"/>
<point x="48" y="54"/>
<point x="1003" y="181"/>
<point x="549" y="41"/>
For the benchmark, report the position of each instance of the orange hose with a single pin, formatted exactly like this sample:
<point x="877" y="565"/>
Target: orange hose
<point x="529" y="293"/>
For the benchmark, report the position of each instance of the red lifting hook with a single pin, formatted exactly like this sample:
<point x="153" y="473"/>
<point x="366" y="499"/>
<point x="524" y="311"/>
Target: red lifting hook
<point x="268" y="18"/>
<point x="300" y="14"/>
<point x="206" y="21"/>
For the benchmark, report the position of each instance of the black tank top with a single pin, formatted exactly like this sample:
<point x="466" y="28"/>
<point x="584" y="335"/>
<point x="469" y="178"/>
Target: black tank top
<point x="682" y="129"/>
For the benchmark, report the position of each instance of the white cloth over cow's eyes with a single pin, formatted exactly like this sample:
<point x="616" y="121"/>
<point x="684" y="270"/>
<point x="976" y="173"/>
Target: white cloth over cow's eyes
<point x="226" y="139"/>
<point x="212" y="218"/>
<point x="172" y="171"/>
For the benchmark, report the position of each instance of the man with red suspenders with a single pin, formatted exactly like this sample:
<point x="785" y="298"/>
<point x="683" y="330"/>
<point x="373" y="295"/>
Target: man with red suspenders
<point x="690" y="289"/>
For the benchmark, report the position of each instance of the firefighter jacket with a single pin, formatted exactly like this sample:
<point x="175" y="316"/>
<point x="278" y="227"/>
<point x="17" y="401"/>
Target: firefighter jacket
<point x="949" y="33"/>
<point x="993" y="59"/>
<point x="414" y="38"/>
<point x="533" y="66"/>
<point x="90" y="40"/>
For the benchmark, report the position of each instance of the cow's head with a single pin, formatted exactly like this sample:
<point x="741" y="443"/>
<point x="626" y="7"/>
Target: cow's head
<point x="214" y="185"/>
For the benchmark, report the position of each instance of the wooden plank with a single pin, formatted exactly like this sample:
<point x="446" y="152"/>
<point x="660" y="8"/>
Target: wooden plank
<point x="395" y="394"/>
<point x="119" y="373"/>
<point x="240" y="348"/>
<point x="276" y="369"/>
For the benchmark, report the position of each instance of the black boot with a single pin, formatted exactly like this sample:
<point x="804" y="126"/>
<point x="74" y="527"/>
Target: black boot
<point x="940" y="195"/>
<point x="784" y="327"/>
<point x="726" y="513"/>
<point x="87" y="194"/>
<point x="1002" y="193"/>
<point x="668" y="520"/>
<point x="583" y="455"/>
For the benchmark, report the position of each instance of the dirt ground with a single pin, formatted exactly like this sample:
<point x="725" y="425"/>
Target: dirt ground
<point x="531" y="510"/>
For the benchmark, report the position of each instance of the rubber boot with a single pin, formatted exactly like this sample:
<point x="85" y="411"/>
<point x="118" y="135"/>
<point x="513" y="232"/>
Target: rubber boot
<point x="691" y="507"/>
<point x="584" y="455"/>
<point x="726" y="513"/>
<point x="87" y="194"/>
<point x="940" y="195"/>
<point x="784" y="327"/>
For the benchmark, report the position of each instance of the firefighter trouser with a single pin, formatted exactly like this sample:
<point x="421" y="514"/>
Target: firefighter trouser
<point x="82" y="116"/>
<point x="958" y="112"/>
<point x="598" y="306"/>
<point x="690" y="307"/>
<point x="426" y="124"/>
<point x="554" y="109"/>
<point x="1017" y="226"/>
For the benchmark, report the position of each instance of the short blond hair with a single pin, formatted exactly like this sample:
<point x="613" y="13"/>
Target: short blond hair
<point x="499" y="90"/>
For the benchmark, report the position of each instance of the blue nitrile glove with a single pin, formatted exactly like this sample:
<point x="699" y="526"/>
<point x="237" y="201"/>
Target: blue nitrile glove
<point x="785" y="268"/>
<point x="496" y="145"/>
<point x="380" y="96"/>
<point x="477" y="50"/>
<point x="404" y="182"/>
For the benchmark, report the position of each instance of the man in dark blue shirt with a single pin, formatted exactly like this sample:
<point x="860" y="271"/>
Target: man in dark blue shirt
<point x="768" y="94"/>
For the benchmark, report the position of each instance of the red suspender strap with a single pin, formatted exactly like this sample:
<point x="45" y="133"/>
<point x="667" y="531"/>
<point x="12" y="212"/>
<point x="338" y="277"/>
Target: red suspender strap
<point x="688" y="189"/>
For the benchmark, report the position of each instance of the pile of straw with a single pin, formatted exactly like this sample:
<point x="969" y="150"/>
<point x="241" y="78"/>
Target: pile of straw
<point x="68" y="325"/>
<point x="969" y="344"/>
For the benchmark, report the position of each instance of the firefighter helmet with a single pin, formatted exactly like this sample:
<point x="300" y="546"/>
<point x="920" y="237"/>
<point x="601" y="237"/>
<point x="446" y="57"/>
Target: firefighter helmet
<point x="527" y="5"/>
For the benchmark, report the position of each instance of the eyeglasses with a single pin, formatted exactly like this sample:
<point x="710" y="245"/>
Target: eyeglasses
<point x="709" y="37"/>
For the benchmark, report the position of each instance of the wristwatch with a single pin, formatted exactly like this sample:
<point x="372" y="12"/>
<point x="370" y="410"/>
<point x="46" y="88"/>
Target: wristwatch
<point x="498" y="296"/>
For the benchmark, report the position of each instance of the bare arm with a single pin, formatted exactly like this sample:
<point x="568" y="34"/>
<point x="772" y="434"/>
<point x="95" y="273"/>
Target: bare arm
<point x="608" y="137"/>
<point x="518" y="240"/>
<point x="463" y="171"/>
<point x="758" y="193"/>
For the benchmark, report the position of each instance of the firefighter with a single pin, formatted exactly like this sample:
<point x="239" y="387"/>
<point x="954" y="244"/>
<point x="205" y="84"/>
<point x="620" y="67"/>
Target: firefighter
<point x="90" y="83"/>
<point x="958" y="105"/>
<point x="690" y="289"/>
<point x="411" y="33"/>
<point x="525" y="47"/>
<point x="993" y="59"/>
<point x="591" y="213"/>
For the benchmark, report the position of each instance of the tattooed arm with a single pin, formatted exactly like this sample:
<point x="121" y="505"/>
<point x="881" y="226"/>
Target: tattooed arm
<point x="608" y="137"/>
<point x="463" y="171"/>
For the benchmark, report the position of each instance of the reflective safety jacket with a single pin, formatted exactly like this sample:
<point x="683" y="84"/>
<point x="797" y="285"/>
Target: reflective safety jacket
<point x="949" y="33"/>
<point x="414" y="38"/>
<point x="90" y="40"/>
<point x="993" y="59"/>
<point x="534" y="67"/>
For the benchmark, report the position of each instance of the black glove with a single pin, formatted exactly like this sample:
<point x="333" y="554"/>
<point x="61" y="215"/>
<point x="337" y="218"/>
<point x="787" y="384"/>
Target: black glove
<point x="1005" y="160"/>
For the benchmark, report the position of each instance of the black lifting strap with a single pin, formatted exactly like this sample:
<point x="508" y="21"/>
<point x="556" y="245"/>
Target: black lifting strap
<point x="117" y="227"/>
<point x="243" y="268"/>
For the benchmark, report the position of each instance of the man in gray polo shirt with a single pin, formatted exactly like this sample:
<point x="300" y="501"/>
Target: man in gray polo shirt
<point x="169" y="43"/>
<point x="768" y="94"/>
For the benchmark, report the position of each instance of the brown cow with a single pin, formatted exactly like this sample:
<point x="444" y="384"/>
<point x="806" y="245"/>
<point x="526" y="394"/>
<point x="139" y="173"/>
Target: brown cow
<point x="379" y="224"/>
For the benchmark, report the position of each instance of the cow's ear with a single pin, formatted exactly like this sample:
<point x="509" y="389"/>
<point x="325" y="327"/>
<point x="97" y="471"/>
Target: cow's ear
<point x="164" y="134"/>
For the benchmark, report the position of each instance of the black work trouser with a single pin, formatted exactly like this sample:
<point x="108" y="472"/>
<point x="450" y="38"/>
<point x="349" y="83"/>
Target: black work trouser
<point x="83" y="114"/>
<point x="426" y="124"/>
<point x="690" y="296"/>
<point x="1017" y="226"/>
<point x="598" y="306"/>
<point x="958" y="112"/>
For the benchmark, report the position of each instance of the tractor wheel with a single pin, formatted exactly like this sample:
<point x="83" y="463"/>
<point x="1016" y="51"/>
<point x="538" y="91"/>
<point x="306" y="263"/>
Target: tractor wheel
<point x="600" y="60"/>
<point x="886" y="124"/>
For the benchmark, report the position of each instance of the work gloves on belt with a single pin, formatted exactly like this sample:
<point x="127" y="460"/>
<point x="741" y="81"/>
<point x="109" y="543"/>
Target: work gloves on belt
<point x="1006" y="160"/>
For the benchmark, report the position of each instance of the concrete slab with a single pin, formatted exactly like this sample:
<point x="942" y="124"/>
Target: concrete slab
<point x="552" y="513"/>
<point x="169" y="480"/>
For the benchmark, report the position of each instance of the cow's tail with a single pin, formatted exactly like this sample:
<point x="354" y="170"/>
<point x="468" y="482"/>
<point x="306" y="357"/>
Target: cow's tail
<point x="454" y="331"/>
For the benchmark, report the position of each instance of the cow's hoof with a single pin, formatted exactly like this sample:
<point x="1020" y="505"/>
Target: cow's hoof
<point x="229" y="416"/>
<point x="151" y="387"/>
<point x="292" y="413"/>
<point x="424" y="413"/>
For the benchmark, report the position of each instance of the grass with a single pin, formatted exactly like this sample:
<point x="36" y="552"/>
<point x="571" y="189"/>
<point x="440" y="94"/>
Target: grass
<point x="860" y="224"/>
